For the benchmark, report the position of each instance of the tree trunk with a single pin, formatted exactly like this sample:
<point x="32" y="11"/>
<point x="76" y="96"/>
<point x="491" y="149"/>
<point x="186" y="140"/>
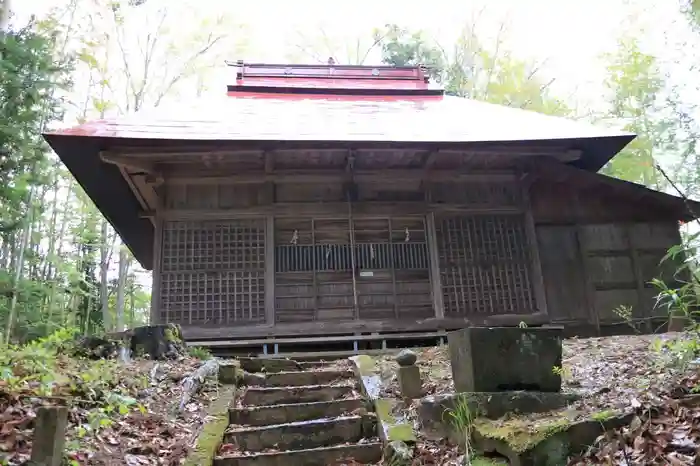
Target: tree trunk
<point x="18" y="270"/>
<point x="104" y="267"/>
<point x="5" y="11"/>
<point x="124" y="260"/>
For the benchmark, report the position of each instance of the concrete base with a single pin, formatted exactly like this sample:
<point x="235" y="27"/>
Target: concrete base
<point x="493" y="359"/>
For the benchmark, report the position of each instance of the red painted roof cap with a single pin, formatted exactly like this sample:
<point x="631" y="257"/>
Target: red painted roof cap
<point x="331" y="79"/>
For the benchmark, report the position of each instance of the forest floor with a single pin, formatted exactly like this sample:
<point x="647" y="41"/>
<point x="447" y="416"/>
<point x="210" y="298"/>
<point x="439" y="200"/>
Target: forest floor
<point x="119" y="412"/>
<point x="613" y="375"/>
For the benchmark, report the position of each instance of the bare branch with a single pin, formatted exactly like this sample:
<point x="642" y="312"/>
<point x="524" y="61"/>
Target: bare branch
<point x="211" y="42"/>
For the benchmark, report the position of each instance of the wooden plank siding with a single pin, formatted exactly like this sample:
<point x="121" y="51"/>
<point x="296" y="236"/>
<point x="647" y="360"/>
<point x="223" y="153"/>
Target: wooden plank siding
<point x="262" y="258"/>
<point x="599" y="255"/>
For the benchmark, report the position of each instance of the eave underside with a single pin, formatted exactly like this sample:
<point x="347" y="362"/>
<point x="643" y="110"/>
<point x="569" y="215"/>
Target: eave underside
<point x="123" y="176"/>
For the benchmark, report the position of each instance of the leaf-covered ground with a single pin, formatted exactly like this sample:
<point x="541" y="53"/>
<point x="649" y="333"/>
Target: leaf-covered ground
<point x="642" y="373"/>
<point x="119" y="412"/>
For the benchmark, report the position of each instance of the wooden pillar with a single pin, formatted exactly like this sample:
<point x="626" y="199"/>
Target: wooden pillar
<point x="531" y="233"/>
<point x="49" y="436"/>
<point x="435" y="281"/>
<point x="270" y="270"/>
<point x="583" y="257"/>
<point x="157" y="247"/>
<point x="638" y="276"/>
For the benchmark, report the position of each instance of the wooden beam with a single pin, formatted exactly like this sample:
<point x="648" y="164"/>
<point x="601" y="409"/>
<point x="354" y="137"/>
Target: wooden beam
<point x="330" y="210"/>
<point x="334" y="176"/>
<point x="139" y="197"/>
<point x="364" y="326"/>
<point x="128" y="162"/>
<point x="287" y="147"/>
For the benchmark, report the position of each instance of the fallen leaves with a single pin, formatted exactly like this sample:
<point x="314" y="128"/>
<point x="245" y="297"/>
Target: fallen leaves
<point x="612" y="374"/>
<point x="130" y="419"/>
<point x="668" y="434"/>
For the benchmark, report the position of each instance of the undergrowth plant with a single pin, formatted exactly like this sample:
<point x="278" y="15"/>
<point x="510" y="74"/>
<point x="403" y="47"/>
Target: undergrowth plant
<point x="678" y="295"/>
<point x="47" y="369"/>
<point x="461" y="416"/>
<point x="199" y="352"/>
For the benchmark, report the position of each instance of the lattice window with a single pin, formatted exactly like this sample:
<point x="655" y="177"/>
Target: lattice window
<point x="213" y="298"/>
<point x="485" y="265"/>
<point x="219" y="245"/>
<point x="212" y="272"/>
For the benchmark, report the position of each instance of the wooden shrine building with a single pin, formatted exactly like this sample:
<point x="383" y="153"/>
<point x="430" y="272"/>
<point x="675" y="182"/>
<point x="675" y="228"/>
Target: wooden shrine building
<point x="317" y="200"/>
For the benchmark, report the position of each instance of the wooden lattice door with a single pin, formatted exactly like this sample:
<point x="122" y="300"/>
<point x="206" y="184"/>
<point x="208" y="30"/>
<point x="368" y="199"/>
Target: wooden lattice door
<point x="485" y="265"/>
<point x="212" y="272"/>
<point x="351" y="269"/>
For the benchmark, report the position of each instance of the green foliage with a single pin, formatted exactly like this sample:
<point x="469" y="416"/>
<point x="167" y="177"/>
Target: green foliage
<point x="29" y="75"/>
<point x="461" y="417"/>
<point x="561" y="371"/>
<point x="635" y="84"/>
<point x="472" y="69"/>
<point x="199" y="352"/>
<point x="44" y="369"/>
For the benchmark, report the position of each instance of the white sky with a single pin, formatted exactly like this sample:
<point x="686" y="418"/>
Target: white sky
<point x="569" y="34"/>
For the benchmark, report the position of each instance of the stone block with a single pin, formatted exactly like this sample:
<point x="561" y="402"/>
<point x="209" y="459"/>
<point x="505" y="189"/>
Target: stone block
<point x="229" y="373"/>
<point x="410" y="382"/>
<point x="494" y="359"/>
<point x="491" y="405"/>
<point x="49" y="436"/>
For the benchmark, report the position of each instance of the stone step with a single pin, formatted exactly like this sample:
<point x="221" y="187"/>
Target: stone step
<point x="268" y="365"/>
<point x="361" y="453"/>
<point x="295" y="412"/>
<point x="266" y="396"/>
<point x="303" y="435"/>
<point x="295" y="379"/>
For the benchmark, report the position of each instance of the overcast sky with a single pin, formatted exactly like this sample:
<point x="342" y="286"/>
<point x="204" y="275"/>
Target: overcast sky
<point x="569" y="34"/>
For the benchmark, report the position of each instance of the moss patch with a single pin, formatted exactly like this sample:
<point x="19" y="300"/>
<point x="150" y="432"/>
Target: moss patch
<point x="364" y="365"/>
<point x="519" y="434"/>
<point x="212" y="433"/>
<point x="481" y="461"/>
<point x="391" y="429"/>
<point x="603" y="415"/>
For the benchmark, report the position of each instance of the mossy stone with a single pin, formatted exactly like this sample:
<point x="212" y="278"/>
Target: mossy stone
<point x="406" y="358"/>
<point x="212" y="433"/>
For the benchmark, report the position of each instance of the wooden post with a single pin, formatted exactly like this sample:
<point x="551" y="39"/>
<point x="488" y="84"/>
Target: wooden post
<point x="531" y="233"/>
<point x="49" y="436"/>
<point x="638" y="277"/>
<point x="270" y="270"/>
<point x="435" y="281"/>
<point x="585" y="267"/>
<point x="157" y="246"/>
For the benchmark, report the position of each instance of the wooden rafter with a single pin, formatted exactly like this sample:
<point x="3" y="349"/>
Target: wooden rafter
<point x="127" y="162"/>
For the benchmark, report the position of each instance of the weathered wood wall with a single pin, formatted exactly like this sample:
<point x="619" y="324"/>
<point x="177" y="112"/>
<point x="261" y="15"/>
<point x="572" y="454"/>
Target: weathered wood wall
<point x="268" y="253"/>
<point x="600" y="253"/>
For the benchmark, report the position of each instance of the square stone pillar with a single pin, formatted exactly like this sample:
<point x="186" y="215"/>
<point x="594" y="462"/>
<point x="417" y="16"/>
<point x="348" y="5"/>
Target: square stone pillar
<point x="494" y="359"/>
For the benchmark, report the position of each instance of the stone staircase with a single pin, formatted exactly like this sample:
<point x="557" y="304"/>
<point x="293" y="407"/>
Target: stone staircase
<point x="299" y="414"/>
